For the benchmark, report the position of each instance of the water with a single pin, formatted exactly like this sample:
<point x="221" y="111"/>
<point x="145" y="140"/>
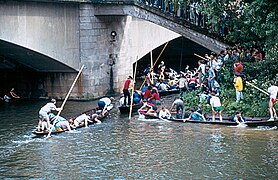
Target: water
<point x="120" y="148"/>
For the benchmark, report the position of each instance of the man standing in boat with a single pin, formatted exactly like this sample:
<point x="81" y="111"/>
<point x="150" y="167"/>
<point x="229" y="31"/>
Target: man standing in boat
<point x="43" y="113"/>
<point x="179" y="108"/>
<point x="126" y="90"/>
<point x="272" y="90"/>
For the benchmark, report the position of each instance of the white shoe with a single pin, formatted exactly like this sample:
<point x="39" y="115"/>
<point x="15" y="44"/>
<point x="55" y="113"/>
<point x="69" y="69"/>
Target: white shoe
<point x="271" y="119"/>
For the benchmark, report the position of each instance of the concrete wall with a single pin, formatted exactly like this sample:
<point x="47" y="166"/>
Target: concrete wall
<point x="135" y="38"/>
<point x="51" y="29"/>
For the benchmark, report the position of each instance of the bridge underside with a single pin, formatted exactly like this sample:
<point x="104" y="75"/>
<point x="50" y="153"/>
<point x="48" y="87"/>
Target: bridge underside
<point x="12" y="55"/>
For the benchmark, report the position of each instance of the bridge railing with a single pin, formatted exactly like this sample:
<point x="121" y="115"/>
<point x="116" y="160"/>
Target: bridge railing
<point x="192" y="14"/>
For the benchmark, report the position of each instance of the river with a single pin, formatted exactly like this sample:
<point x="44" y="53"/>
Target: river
<point x="122" y="148"/>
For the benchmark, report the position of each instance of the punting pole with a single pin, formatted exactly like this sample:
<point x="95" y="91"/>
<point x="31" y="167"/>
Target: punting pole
<point x="133" y="86"/>
<point x="248" y="83"/>
<point x="155" y="62"/>
<point x="66" y="98"/>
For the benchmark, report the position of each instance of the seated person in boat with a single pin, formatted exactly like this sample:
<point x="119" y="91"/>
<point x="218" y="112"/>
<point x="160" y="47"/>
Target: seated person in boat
<point x="194" y="115"/>
<point x="164" y="113"/>
<point x="10" y="95"/>
<point x="238" y="118"/>
<point x="155" y="98"/>
<point x="105" y="102"/>
<point x="152" y="111"/>
<point x="161" y="86"/>
<point x="136" y="97"/>
<point x="43" y="113"/>
<point x="59" y="122"/>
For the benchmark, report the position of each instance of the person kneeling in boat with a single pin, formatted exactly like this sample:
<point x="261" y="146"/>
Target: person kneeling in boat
<point x="59" y="122"/>
<point x="164" y="113"/>
<point x="80" y="121"/>
<point x="146" y="106"/>
<point x="238" y="118"/>
<point x="194" y="115"/>
<point x="152" y="111"/>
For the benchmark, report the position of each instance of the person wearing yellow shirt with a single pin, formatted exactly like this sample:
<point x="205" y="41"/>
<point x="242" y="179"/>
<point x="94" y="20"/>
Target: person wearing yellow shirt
<point x="239" y="87"/>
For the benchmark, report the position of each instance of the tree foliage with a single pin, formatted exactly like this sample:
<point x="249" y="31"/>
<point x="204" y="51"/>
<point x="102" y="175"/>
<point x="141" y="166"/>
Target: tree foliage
<point x="249" y="23"/>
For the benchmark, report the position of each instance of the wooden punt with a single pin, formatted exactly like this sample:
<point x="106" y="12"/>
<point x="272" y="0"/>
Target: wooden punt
<point x="250" y="121"/>
<point x="88" y="112"/>
<point x="126" y="109"/>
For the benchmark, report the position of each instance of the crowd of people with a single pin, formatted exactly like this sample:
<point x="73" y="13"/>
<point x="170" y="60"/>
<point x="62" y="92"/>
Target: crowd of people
<point x="206" y="80"/>
<point x="195" y="12"/>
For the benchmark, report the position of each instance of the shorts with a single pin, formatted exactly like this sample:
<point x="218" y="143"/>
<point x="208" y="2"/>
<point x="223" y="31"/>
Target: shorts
<point x="273" y="100"/>
<point x="218" y="108"/>
<point x="43" y="114"/>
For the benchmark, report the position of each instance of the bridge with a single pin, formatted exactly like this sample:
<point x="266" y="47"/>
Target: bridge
<point x="52" y="39"/>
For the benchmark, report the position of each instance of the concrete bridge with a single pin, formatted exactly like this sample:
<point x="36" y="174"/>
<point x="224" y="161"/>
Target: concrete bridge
<point x="54" y="38"/>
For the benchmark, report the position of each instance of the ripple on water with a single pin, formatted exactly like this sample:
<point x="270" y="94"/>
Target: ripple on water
<point x="122" y="148"/>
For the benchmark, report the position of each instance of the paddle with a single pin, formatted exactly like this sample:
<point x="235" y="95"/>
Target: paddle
<point x="200" y="57"/>
<point x="155" y="63"/>
<point x="65" y="100"/>
<point x="132" y="91"/>
<point x="248" y="83"/>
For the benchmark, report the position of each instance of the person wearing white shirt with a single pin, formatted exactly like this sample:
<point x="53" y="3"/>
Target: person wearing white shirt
<point x="272" y="90"/>
<point x="43" y="113"/>
<point x="164" y="113"/>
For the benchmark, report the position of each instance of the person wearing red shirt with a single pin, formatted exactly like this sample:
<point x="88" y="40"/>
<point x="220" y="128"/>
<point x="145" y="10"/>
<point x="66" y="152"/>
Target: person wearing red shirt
<point x="126" y="90"/>
<point x="148" y="93"/>
<point x="155" y="99"/>
<point x="238" y="67"/>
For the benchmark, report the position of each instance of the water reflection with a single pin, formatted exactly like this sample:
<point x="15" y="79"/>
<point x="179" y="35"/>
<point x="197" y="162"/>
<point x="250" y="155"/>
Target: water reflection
<point x="120" y="148"/>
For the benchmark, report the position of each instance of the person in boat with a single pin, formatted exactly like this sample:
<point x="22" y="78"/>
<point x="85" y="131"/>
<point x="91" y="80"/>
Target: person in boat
<point x="84" y="120"/>
<point x="164" y="113"/>
<point x="148" y="93"/>
<point x="238" y="118"/>
<point x="194" y="115"/>
<point x="121" y="101"/>
<point x="192" y="82"/>
<point x="152" y="111"/>
<point x="215" y="106"/>
<point x="127" y="85"/>
<point x="105" y="102"/>
<point x="136" y="97"/>
<point x="145" y="107"/>
<point x="182" y="84"/>
<point x="10" y="95"/>
<point x="272" y="90"/>
<point x="178" y="103"/>
<point x="155" y="98"/>
<point x="161" y="69"/>
<point x="43" y="113"/>
<point x="59" y="122"/>
<point x="162" y="86"/>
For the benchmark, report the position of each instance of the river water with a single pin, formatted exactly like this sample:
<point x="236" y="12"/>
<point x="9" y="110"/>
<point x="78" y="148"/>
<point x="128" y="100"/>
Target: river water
<point x="120" y="148"/>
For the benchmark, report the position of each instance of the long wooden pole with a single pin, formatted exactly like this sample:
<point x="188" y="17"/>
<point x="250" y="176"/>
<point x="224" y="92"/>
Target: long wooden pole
<point x="65" y="100"/>
<point x="201" y="57"/>
<point x="132" y="91"/>
<point x="155" y="62"/>
<point x="248" y="83"/>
